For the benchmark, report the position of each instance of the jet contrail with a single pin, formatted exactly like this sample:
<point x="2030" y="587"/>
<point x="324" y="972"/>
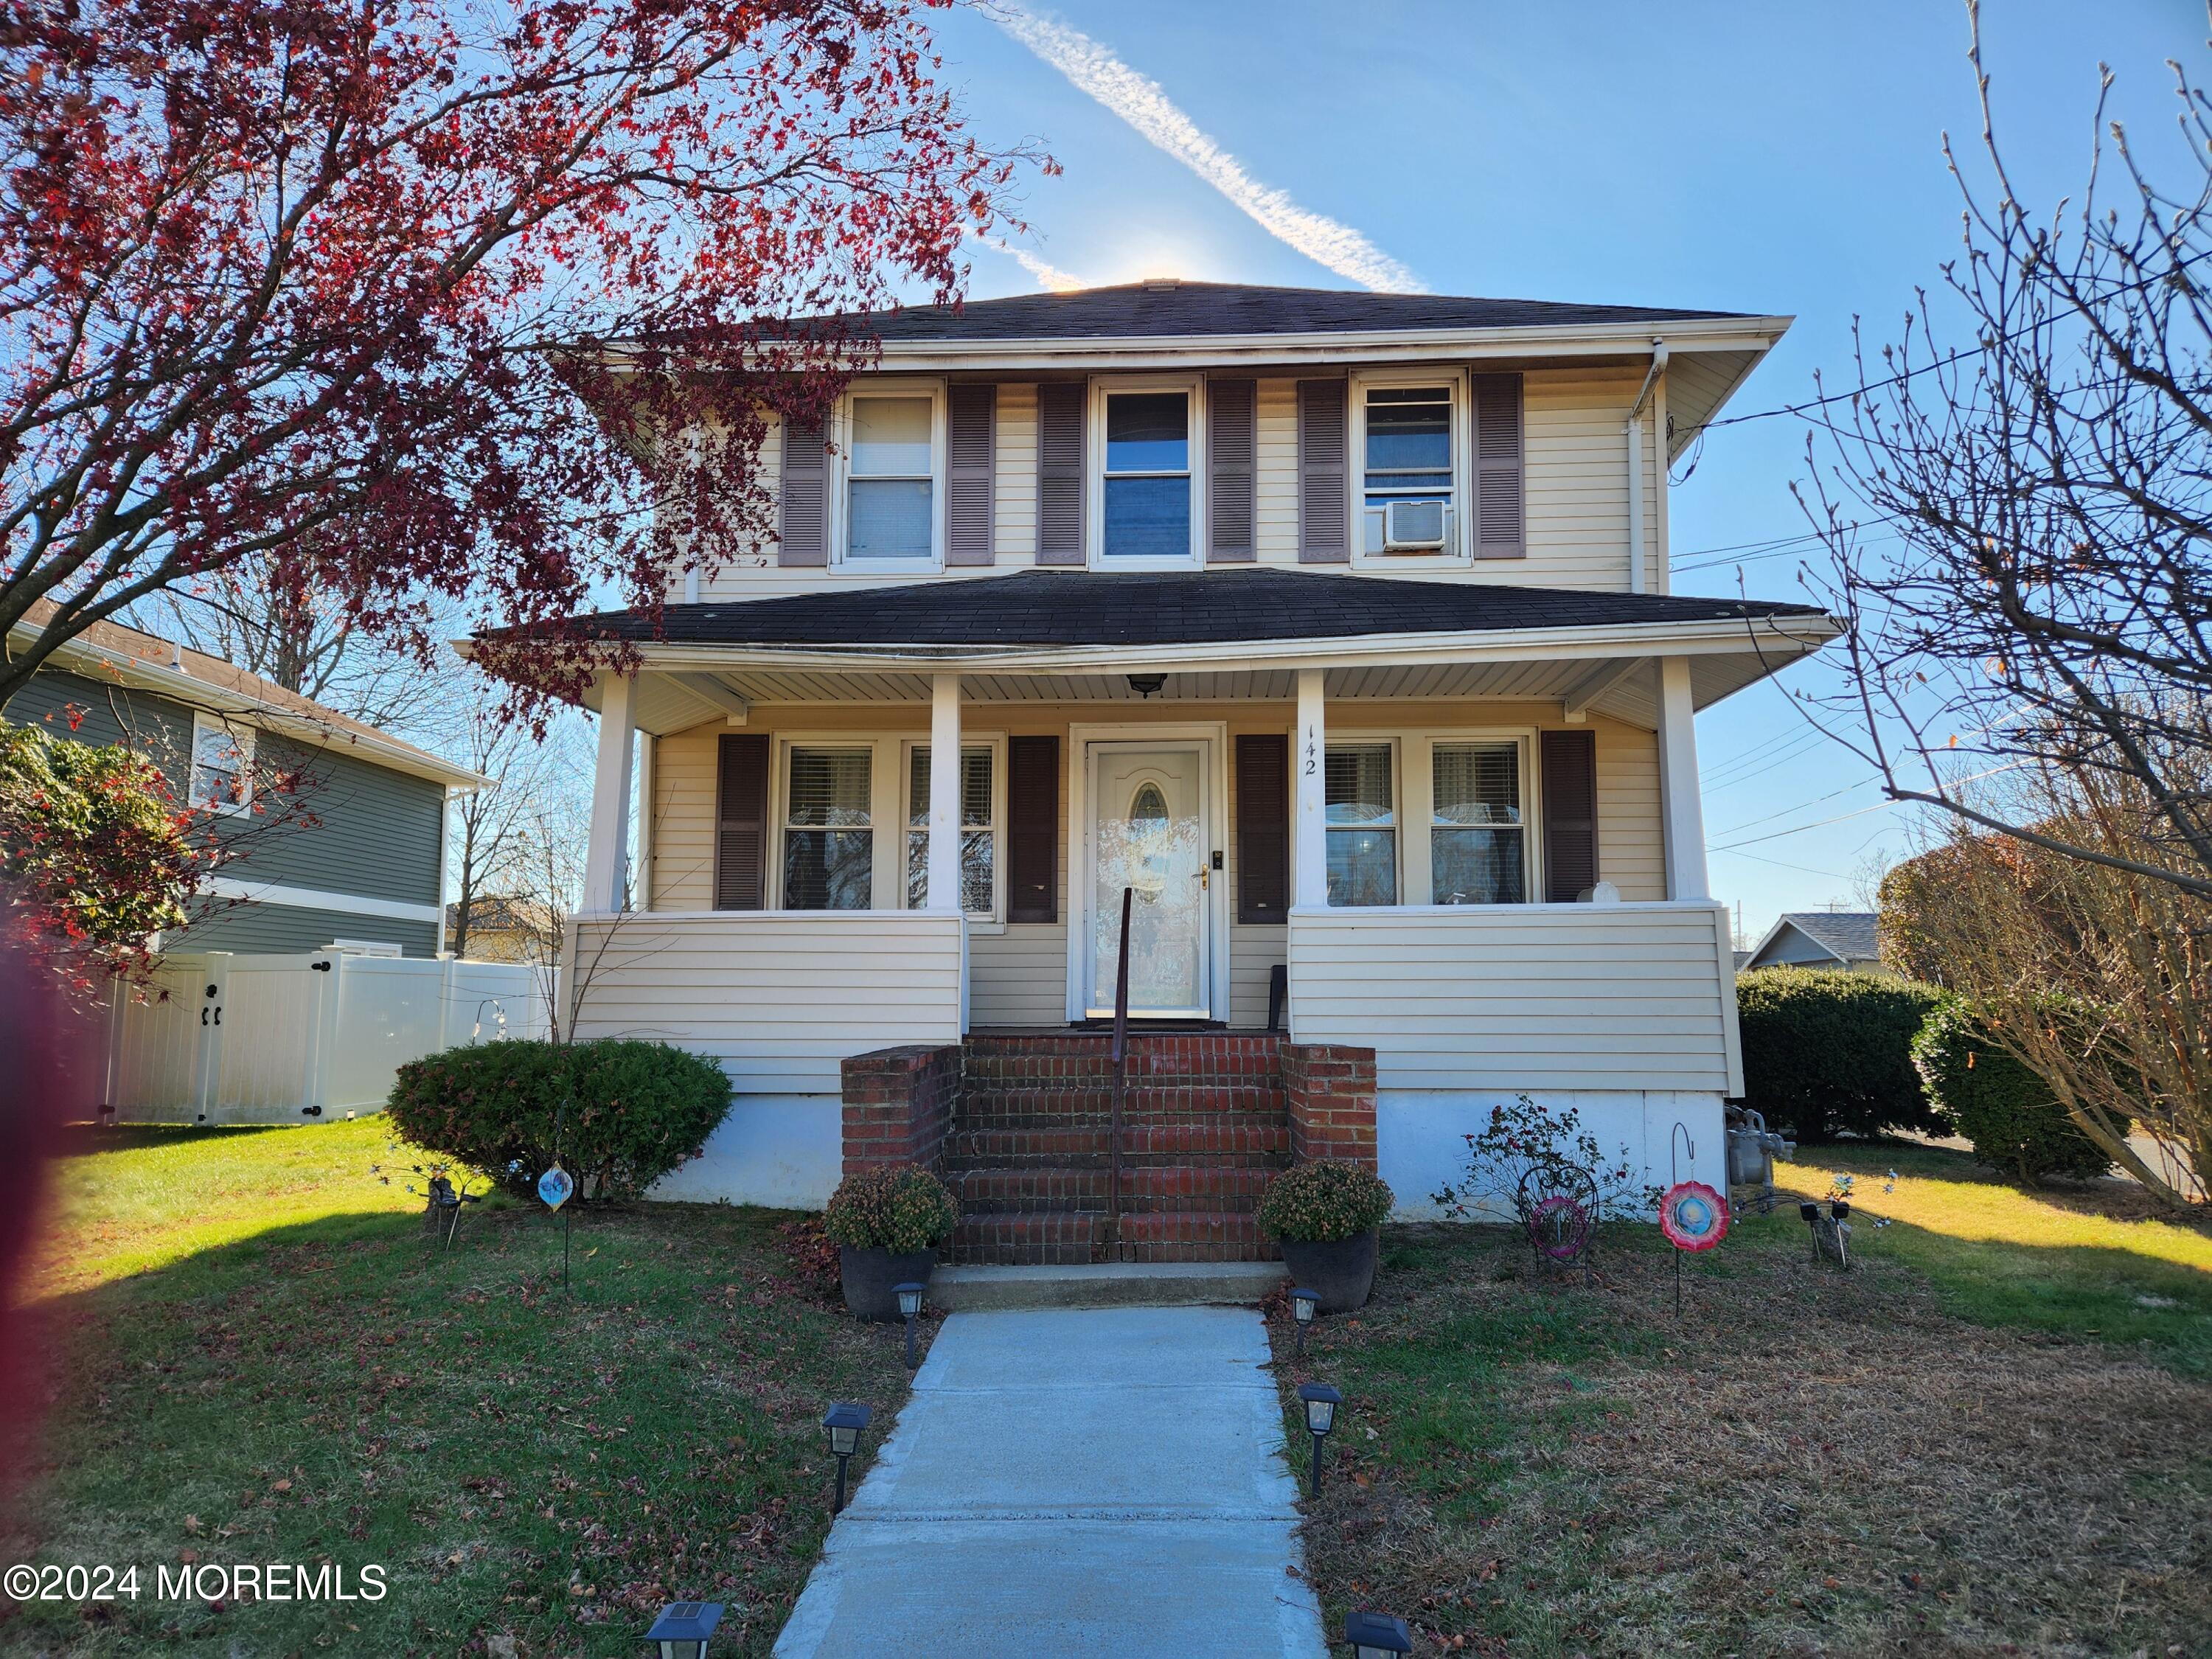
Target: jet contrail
<point x="1139" y="99"/>
<point x="1048" y="275"/>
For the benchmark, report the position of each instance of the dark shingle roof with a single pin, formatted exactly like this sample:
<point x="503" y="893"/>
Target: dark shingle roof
<point x="1193" y="607"/>
<point x="1138" y="310"/>
<point x="1847" y="935"/>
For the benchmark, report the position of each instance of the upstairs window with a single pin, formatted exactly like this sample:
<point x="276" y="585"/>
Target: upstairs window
<point x="891" y="489"/>
<point x="1362" y="824"/>
<point x="829" y="833"/>
<point x="222" y="766"/>
<point x="979" y="832"/>
<point x="1407" y="470"/>
<point x="1147" y="477"/>
<point x="1477" y="851"/>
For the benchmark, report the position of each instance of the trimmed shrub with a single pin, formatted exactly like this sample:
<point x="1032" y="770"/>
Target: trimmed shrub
<point x="891" y="1206"/>
<point x="2018" y="1126"/>
<point x="1830" y="1053"/>
<point x="616" y="1114"/>
<point x="1321" y="1202"/>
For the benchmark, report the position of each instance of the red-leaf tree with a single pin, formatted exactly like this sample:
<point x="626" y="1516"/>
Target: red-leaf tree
<point x="336" y="283"/>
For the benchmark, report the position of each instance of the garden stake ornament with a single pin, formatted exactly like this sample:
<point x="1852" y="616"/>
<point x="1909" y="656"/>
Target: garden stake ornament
<point x="1691" y="1214"/>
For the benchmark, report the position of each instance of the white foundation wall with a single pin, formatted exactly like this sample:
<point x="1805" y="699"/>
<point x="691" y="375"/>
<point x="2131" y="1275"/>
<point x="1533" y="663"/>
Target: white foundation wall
<point x="784" y="1151"/>
<point x="1420" y="1136"/>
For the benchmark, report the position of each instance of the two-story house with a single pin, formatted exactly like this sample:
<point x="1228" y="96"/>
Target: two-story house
<point x="1328" y="634"/>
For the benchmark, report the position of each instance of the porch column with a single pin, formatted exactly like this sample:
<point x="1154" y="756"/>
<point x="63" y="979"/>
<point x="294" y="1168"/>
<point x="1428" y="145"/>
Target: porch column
<point x="944" y="791"/>
<point x="1309" y="837"/>
<point x="606" y="864"/>
<point x="1678" y="783"/>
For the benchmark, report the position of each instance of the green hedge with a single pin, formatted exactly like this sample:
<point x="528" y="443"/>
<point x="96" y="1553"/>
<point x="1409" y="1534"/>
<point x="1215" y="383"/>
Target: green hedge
<point x="1831" y="1054"/>
<point x="617" y="1113"/>
<point x="2015" y="1122"/>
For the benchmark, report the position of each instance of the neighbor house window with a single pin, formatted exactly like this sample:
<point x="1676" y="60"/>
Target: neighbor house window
<point x="1362" y="823"/>
<point x="1147" y="476"/>
<point x="1407" y="468"/>
<point x="829" y="838"/>
<point x="1478" y="852"/>
<point x="223" y="765"/>
<point x="890" y="501"/>
<point x="979" y="833"/>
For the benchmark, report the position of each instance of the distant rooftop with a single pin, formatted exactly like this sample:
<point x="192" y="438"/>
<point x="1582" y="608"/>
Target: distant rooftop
<point x="1849" y="935"/>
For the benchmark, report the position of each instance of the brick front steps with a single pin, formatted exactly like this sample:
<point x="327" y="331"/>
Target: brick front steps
<point x="1020" y="1128"/>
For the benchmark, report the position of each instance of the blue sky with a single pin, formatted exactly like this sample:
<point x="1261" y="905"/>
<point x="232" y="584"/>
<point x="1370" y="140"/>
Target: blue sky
<point x="1776" y="158"/>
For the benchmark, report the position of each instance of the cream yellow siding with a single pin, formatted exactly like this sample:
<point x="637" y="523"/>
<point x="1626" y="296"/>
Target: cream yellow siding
<point x="1546" y="997"/>
<point x="780" y="1000"/>
<point x="1631" y="849"/>
<point x="1014" y="481"/>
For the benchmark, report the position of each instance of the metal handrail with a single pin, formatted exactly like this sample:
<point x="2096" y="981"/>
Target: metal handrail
<point x="1121" y="1053"/>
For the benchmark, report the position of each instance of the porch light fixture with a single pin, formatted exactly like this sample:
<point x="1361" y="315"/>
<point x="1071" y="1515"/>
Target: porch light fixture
<point x="1321" y="1403"/>
<point x="682" y="1630"/>
<point x="842" y="1423"/>
<point x="1376" y="1635"/>
<point x="909" y="1304"/>
<point x="1145" y="685"/>
<point x="1304" y="1304"/>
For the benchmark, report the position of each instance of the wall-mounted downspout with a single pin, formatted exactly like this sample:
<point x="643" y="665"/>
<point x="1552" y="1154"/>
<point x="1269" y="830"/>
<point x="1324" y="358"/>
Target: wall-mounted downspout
<point x="1636" y="584"/>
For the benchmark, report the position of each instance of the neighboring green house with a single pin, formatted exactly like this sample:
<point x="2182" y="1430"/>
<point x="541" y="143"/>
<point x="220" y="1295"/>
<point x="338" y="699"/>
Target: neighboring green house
<point x="358" y="862"/>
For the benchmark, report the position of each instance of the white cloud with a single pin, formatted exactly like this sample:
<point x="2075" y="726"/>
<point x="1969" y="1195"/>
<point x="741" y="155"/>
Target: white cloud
<point x="1139" y="101"/>
<point x="1048" y="275"/>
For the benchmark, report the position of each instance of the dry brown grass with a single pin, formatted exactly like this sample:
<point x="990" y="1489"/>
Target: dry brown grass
<point x="1807" y="1463"/>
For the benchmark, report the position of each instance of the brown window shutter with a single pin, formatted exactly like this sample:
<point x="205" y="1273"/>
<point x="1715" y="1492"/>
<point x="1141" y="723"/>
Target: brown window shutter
<point x="1263" y="826"/>
<point x="1569" y="772"/>
<point x="1059" y="472"/>
<point x="1231" y="445"/>
<point x="1324" y="512"/>
<point x="741" y="823"/>
<point x="803" y="535"/>
<point x="1499" y="516"/>
<point x="1033" y="829"/>
<point x="971" y="456"/>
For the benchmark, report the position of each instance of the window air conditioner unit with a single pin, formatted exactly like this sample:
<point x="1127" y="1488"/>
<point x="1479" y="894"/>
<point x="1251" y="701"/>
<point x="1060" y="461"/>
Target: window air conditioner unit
<point x="1414" y="526"/>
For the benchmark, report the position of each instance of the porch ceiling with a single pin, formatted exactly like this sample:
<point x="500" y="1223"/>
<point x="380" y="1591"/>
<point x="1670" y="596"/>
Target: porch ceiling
<point x="1623" y="687"/>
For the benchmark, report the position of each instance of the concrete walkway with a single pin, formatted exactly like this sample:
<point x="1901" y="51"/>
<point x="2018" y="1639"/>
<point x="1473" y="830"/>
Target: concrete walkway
<point x="1072" y="1482"/>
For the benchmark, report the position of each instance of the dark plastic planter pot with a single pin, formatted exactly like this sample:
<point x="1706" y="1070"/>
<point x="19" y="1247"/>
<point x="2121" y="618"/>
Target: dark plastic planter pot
<point x="1339" y="1270"/>
<point x="872" y="1277"/>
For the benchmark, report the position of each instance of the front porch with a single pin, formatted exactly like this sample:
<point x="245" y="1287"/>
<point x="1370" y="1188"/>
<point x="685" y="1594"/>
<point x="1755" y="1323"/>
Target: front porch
<point x="1470" y="863"/>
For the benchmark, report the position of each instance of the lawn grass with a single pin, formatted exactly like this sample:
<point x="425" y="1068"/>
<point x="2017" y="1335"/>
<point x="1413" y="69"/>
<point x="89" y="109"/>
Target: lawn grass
<point x="259" y="1359"/>
<point x="1883" y="1462"/>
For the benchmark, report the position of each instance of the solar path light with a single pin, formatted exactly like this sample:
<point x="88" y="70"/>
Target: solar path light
<point x="1304" y="1304"/>
<point x="682" y="1630"/>
<point x="1376" y="1635"/>
<point x="842" y="1423"/>
<point x="1321" y="1403"/>
<point x="910" y="1301"/>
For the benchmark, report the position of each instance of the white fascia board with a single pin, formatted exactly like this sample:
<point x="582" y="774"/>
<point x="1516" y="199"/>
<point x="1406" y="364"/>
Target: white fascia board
<point x="194" y="693"/>
<point x="1788" y="638"/>
<point x="315" y="898"/>
<point x="1344" y="347"/>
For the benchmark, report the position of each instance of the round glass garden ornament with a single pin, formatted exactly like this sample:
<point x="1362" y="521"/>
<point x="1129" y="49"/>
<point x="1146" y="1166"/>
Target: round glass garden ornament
<point x="1692" y="1216"/>
<point x="555" y="1186"/>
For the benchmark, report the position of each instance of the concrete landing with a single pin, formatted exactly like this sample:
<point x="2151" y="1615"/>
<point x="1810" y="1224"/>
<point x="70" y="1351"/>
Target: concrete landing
<point x="1112" y="1284"/>
<point x="1079" y="1482"/>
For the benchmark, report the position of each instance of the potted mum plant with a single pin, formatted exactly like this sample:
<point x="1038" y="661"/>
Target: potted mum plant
<point x="887" y="1223"/>
<point x="1328" y="1217"/>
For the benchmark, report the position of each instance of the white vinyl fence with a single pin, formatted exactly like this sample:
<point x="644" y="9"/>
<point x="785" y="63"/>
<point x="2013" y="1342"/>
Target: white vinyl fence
<point x="221" y="1038"/>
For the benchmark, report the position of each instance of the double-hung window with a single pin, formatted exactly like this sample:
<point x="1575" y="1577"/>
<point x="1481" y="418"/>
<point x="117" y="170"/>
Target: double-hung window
<point x="829" y="834"/>
<point x="1147" y="478"/>
<point x="1478" y="852"/>
<point x="1405" y="480"/>
<point x="979" y="832"/>
<point x="891" y="478"/>
<point x="1361" y="820"/>
<point x="222" y="766"/>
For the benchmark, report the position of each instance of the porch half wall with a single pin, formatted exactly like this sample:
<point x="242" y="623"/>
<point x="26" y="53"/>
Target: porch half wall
<point x="1626" y="1012"/>
<point x="780" y="1000"/>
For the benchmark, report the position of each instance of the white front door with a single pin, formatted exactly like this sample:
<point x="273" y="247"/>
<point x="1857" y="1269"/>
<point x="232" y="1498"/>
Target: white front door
<point x="1148" y="835"/>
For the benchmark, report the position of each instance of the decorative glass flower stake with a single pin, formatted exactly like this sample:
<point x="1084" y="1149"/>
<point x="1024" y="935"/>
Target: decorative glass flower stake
<point x="555" y="1186"/>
